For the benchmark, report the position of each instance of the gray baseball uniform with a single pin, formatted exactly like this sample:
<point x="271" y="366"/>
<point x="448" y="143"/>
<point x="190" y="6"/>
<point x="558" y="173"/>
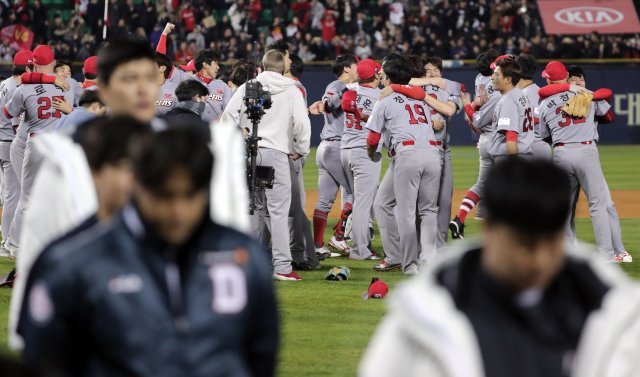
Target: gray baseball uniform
<point x="10" y="182"/>
<point x="482" y="119"/>
<point x="331" y="174"/>
<point x="540" y="148"/>
<point x="575" y="150"/>
<point x="512" y="113"/>
<point x="219" y="96"/>
<point x="167" y="99"/>
<point x="36" y="101"/>
<point x="416" y="173"/>
<point x="362" y="173"/>
<point x="452" y="94"/>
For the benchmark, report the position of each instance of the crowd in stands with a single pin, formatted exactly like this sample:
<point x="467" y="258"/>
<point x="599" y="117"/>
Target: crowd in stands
<point x="317" y="30"/>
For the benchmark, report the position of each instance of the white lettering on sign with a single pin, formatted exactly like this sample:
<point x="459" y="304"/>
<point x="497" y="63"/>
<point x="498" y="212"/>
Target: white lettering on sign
<point x="589" y="16"/>
<point x="629" y="105"/>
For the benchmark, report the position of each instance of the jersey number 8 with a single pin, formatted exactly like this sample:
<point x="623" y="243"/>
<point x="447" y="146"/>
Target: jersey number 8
<point x="44" y="105"/>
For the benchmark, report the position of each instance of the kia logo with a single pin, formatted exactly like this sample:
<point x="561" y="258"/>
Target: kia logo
<point x="589" y="16"/>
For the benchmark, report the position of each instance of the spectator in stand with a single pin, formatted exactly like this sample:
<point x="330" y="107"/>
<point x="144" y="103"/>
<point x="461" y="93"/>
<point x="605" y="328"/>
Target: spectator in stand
<point x="197" y="37"/>
<point x="301" y="9"/>
<point x="328" y="26"/>
<point x="188" y="17"/>
<point x="279" y="9"/>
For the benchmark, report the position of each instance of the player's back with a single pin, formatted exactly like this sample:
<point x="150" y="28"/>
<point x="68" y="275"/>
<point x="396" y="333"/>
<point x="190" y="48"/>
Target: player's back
<point x="564" y="128"/>
<point x="406" y="119"/>
<point x="334" y="119"/>
<point x="7" y="88"/>
<point x="355" y="135"/>
<point x="37" y="103"/>
<point x="531" y="92"/>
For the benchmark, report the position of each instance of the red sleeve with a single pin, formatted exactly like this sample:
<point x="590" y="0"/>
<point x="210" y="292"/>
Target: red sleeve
<point x="609" y="117"/>
<point x="463" y="88"/>
<point x="37" y="78"/>
<point x="469" y="111"/>
<point x="551" y="89"/>
<point x="349" y="104"/>
<point x="410" y="91"/>
<point x="6" y="113"/>
<point x="602" y="94"/>
<point x="512" y="136"/>
<point x="373" y="139"/>
<point x="162" y="45"/>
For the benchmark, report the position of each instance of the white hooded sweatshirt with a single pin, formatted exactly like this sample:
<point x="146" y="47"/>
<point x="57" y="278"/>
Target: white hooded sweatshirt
<point x="285" y="127"/>
<point x="424" y="334"/>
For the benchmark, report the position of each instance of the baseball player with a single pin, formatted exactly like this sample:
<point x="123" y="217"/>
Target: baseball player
<point x="480" y="116"/>
<point x="362" y="172"/>
<point x="63" y="69"/>
<point x="444" y="103"/>
<point x="331" y="175"/>
<point x="207" y="68"/>
<point x="36" y="101"/>
<point x="527" y="63"/>
<point x="577" y="83"/>
<point x="22" y="62"/>
<point x="574" y="141"/>
<point x="513" y="115"/>
<point x="417" y="164"/>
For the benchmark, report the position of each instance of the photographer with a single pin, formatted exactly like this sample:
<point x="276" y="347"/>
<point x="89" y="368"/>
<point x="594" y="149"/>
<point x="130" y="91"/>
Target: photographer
<point x="287" y="120"/>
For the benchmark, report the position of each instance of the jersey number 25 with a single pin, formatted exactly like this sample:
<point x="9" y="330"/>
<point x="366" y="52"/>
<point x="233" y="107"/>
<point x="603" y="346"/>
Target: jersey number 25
<point x="527" y="124"/>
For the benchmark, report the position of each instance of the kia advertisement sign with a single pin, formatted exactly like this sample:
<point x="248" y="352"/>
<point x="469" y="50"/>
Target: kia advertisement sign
<point x="585" y="16"/>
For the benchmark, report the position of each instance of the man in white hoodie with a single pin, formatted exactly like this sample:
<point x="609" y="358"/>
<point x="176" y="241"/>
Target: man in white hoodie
<point x="285" y="132"/>
<point x="519" y="301"/>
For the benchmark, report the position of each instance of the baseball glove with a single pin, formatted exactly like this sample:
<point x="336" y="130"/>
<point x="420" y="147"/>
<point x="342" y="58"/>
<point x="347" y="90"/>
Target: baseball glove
<point x="579" y="105"/>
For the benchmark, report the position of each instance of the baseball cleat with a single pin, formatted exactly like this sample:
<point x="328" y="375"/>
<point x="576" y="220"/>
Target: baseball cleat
<point x="626" y="257"/>
<point x="340" y="245"/>
<point x="387" y="266"/>
<point x="323" y="252"/>
<point x="291" y="276"/>
<point x="372" y="257"/>
<point x="457" y="229"/>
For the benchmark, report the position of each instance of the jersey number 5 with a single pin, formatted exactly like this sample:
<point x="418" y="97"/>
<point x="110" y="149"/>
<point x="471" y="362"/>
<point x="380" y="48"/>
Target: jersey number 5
<point x="44" y="105"/>
<point x="352" y="121"/>
<point x="527" y="125"/>
<point x="422" y="117"/>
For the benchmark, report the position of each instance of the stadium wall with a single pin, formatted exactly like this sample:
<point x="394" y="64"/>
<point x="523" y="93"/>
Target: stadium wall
<point x="623" y="79"/>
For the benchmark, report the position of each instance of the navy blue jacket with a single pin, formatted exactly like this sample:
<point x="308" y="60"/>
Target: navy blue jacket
<point x="116" y="301"/>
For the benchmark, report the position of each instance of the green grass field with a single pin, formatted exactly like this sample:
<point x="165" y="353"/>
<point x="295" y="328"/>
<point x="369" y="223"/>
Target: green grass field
<point x="327" y="325"/>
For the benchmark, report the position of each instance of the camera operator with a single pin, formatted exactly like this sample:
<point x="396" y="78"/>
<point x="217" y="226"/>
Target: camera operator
<point x="284" y="131"/>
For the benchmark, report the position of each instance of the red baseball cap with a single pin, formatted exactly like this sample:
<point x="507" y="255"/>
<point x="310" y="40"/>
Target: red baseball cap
<point x="555" y="71"/>
<point x="368" y="68"/>
<point x="191" y="66"/>
<point x="42" y="55"/>
<point x="499" y="59"/>
<point x="91" y="65"/>
<point x="377" y="289"/>
<point x="24" y="57"/>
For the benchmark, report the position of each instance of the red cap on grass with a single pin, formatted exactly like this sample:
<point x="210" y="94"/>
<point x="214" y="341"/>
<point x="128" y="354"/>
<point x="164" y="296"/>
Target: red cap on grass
<point x="377" y="289"/>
